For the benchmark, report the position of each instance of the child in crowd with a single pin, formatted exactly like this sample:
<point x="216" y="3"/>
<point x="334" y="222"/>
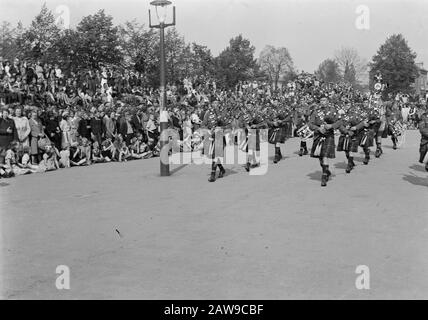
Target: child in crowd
<point x="108" y="150"/>
<point x="134" y="149"/>
<point x="11" y="166"/>
<point x="81" y="154"/>
<point x="97" y="156"/>
<point x="49" y="159"/>
<point x="64" y="157"/>
<point x="25" y="160"/>
<point x="124" y="153"/>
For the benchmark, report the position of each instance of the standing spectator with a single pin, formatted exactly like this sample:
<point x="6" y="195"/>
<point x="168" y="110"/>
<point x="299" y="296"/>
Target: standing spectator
<point x="110" y="125"/>
<point x="65" y="127"/>
<point x="125" y="129"/>
<point x="8" y="133"/>
<point x="52" y="129"/>
<point x="36" y="133"/>
<point x="97" y="128"/>
<point x="22" y="127"/>
<point x="84" y="129"/>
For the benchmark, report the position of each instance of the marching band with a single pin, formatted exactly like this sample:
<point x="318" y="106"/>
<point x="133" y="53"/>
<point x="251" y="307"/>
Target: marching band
<point x="358" y="124"/>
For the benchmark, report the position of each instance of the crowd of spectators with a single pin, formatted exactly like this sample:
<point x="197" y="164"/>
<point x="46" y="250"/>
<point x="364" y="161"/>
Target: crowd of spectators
<point x="53" y="119"/>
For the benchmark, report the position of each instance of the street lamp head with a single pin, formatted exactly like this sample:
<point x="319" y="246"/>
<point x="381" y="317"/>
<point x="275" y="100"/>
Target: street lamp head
<point x="161" y="11"/>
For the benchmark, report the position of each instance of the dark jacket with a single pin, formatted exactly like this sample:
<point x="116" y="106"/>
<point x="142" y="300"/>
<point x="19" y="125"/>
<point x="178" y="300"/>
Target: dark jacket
<point x="7" y="137"/>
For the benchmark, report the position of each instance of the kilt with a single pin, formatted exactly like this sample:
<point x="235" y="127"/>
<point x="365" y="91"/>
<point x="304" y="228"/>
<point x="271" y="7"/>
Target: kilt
<point x="365" y="139"/>
<point x="345" y="143"/>
<point x="328" y="148"/>
<point x="278" y="134"/>
<point x="253" y="139"/>
<point x="217" y="146"/>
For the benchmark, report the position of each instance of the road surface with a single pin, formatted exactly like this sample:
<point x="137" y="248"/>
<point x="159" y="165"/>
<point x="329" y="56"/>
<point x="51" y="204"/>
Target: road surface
<point x="126" y="233"/>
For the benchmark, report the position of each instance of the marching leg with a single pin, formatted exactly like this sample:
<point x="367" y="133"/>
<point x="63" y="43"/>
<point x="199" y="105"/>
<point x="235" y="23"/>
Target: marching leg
<point x="367" y="156"/>
<point x="305" y="148"/>
<point x="351" y="163"/>
<point x="324" y="177"/>
<point x="394" y="141"/>
<point x="278" y="155"/>
<point x="222" y="171"/>
<point x="379" y="151"/>
<point x="213" y="170"/>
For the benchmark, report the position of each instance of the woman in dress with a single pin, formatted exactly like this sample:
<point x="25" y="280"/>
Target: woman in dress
<point x="36" y="133"/>
<point x="65" y="127"/>
<point x="22" y="127"/>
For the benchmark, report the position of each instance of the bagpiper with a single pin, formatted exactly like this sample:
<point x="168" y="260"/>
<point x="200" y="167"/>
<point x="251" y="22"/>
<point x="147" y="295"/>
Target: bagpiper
<point x="323" y="122"/>
<point x="279" y="132"/>
<point x="423" y="148"/>
<point x="217" y="145"/>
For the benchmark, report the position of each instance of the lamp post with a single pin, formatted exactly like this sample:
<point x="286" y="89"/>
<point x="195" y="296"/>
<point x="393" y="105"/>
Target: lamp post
<point x="161" y="12"/>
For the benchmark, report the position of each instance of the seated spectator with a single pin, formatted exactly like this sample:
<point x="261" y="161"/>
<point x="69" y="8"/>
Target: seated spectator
<point x="49" y="160"/>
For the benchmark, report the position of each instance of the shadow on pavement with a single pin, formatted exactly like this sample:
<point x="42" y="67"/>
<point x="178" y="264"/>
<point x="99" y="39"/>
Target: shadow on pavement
<point x="315" y="175"/>
<point x="417" y="181"/>
<point x="418" y="167"/>
<point x="341" y="165"/>
<point x="178" y="168"/>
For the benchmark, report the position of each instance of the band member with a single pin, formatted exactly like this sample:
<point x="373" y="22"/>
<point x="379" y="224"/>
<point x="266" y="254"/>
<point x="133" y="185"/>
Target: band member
<point x="393" y="119"/>
<point x="423" y="148"/>
<point x="301" y="124"/>
<point x="323" y="122"/>
<point x="278" y="133"/>
<point x="352" y="132"/>
<point x="253" y="141"/>
<point x="216" y="151"/>
<point x="379" y="126"/>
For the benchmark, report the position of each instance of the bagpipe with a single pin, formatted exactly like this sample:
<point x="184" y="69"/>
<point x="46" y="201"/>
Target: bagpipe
<point x="305" y="133"/>
<point x="397" y="129"/>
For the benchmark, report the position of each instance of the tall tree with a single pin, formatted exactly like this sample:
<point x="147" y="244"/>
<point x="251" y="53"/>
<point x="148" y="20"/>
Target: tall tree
<point x="350" y="75"/>
<point x="138" y="44"/>
<point x="396" y="62"/>
<point x="99" y="40"/>
<point x="348" y="57"/>
<point x="275" y="63"/>
<point x="236" y="62"/>
<point x="8" y="46"/>
<point x="203" y="61"/>
<point x="39" y="39"/>
<point x="328" y="71"/>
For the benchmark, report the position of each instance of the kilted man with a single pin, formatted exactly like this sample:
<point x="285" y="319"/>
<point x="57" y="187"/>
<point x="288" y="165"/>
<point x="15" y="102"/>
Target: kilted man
<point x="323" y="122"/>
<point x="279" y="130"/>
<point x="252" y="131"/>
<point x="301" y="119"/>
<point x="352" y="132"/>
<point x="394" y="118"/>
<point x="216" y="151"/>
<point x="423" y="148"/>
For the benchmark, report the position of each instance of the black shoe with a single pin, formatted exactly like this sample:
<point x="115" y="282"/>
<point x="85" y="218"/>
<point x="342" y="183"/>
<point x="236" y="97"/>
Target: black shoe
<point x="366" y="159"/>
<point x="324" y="180"/>
<point x="221" y="174"/>
<point x="305" y="152"/>
<point x="349" y="168"/>
<point x="394" y="147"/>
<point x="212" y="177"/>
<point x="378" y="152"/>
<point x="301" y="152"/>
<point x="247" y="167"/>
<point x="327" y="172"/>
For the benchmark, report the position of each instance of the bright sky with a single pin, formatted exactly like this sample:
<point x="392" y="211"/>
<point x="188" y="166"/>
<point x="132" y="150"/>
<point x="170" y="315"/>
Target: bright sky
<point x="311" y="29"/>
